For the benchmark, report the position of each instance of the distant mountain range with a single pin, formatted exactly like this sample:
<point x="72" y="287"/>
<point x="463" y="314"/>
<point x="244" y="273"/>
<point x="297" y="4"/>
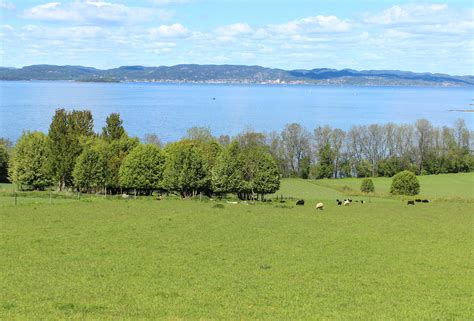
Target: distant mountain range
<point x="234" y="74"/>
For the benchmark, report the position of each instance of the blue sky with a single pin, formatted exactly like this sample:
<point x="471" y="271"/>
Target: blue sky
<point x="434" y="36"/>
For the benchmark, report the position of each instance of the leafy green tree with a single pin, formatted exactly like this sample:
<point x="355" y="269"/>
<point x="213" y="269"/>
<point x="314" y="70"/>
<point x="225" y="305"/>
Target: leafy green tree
<point x="64" y="137"/>
<point x="325" y="166"/>
<point x="81" y="123"/>
<point x="29" y="164"/>
<point x="227" y="175"/>
<point x="113" y="127"/>
<point x="142" y="169"/>
<point x="367" y="186"/>
<point x="405" y="183"/>
<point x="363" y="168"/>
<point x="90" y="169"/>
<point x="115" y="152"/>
<point x="201" y="134"/>
<point x="185" y="171"/>
<point x="267" y="177"/>
<point x="305" y="166"/>
<point x="5" y="147"/>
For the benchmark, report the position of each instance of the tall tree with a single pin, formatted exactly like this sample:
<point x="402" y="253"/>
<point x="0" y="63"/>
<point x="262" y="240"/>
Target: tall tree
<point x="66" y="131"/>
<point x="296" y="145"/>
<point x="113" y="129"/>
<point x="423" y="134"/>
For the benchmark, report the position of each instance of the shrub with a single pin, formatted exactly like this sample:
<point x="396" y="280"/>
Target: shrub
<point x="405" y="183"/>
<point x="367" y="186"/>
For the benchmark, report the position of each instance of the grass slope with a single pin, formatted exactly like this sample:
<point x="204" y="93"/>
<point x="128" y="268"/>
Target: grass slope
<point x="146" y="259"/>
<point x="435" y="186"/>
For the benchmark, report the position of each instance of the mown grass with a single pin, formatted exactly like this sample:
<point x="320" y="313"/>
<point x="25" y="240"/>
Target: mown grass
<point x="98" y="259"/>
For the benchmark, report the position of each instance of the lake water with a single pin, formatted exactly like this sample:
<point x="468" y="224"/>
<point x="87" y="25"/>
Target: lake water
<point x="168" y="110"/>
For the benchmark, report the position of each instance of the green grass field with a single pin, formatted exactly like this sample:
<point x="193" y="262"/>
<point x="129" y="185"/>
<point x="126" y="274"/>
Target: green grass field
<point x="96" y="259"/>
<point x="457" y="186"/>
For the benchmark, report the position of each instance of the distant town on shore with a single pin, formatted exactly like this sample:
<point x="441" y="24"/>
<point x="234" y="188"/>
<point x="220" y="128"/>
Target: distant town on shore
<point x="234" y="74"/>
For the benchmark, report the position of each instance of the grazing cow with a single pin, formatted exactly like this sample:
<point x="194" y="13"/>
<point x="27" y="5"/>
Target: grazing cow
<point x="411" y="203"/>
<point x="125" y="195"/>
<point x="320" y="206"/>
<point x="362" y="201"/>
<point x="346" y="202"/>
<point x="418" y="200"/>
<point x="339" y="202"/>
<point x="425" y="201"/>
<point x="300" y="202"/>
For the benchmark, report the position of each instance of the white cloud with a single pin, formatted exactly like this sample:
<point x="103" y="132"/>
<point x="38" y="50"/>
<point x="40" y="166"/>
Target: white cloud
<point x="170" y="2"/>
<point x="408" y="14"/>
<point x="6" y="5"/>
<point x="233" y="30"/>
<point x="311" y="25"/>
<point x="169" y="31"/>
<point x="90" y="11"/>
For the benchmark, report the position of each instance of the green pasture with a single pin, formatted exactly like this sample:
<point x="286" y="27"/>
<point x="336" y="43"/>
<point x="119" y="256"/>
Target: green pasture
<point x="103" y="259"/>
<point x="456" y="186"/>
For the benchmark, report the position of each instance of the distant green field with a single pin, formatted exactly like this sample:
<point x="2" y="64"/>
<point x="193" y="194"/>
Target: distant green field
<point x="97" y="259"/>
<point x="436" y="186"/>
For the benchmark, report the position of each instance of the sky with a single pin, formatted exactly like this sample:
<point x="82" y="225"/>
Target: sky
<point x="425" y="36"/>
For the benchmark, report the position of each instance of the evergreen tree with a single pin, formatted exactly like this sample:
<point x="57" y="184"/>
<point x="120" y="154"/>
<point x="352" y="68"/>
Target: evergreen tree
<point x="113" y="129"/>
<point x="29" y="164"/>
<point x="325" y="167"/>
<point x="142" y="169"/>
<point x="367" y="186"/>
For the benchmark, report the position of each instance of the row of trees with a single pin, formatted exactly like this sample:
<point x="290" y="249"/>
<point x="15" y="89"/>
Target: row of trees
<point x="73" y="156"/>
<point x="373" y="150"/>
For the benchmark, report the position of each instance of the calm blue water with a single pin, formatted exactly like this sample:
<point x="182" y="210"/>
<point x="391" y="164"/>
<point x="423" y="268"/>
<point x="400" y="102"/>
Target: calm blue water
<point x="169" y="109"/>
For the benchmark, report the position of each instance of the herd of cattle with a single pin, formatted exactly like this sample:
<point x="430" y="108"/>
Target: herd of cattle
<point x="412" y="202"/>
<point x="347" y="202"/>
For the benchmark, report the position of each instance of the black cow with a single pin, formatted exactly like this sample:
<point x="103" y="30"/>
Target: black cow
<point x="411" y="203"/>
<point x="300" y="202"/>
<point x="339" y="202"/>
<point x="425" y="201"/>
<point x="418" y="200"/>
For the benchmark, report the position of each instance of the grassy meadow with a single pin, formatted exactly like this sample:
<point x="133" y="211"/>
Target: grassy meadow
<point x="103" y="259"/>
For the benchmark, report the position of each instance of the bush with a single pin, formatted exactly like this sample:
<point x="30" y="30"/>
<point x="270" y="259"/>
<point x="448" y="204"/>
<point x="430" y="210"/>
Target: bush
<point x="367" y="186"/>
<point x="405" y="183"/>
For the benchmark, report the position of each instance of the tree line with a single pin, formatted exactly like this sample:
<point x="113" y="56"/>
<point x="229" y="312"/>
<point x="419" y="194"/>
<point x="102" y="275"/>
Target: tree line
<point x="72" y="156"/>
<point x="373" y="150"/>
